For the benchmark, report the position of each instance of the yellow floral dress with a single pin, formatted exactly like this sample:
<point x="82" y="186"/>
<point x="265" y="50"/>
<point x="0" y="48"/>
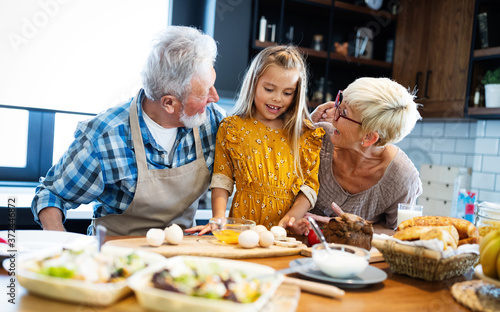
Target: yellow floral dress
<point x="260" y="161"/>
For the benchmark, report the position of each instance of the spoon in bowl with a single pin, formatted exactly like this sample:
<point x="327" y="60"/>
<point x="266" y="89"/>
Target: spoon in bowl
<point x="320" y="235"/>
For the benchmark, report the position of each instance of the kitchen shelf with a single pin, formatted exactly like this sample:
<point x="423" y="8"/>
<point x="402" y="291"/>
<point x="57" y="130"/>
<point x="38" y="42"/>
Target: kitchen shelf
<point x="488" y="52"/>
<point x="483" y="59"/>
<point x="333" y="55"/>
<point x="483" y="111"/>
<point x="364" y="10"/>
<point x="305" y="51"/>
<point x="358" y="60"/>
<point x="297" y="22"/>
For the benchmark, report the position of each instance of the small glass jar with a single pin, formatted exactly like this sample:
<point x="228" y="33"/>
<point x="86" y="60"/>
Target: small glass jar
<point x="487" y="217"/>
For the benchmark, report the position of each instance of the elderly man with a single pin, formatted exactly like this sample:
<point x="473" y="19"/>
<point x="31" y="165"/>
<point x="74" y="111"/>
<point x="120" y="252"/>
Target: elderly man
<point x="144" y="163"/>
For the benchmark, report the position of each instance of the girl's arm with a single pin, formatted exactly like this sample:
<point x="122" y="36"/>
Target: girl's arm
<point x="294" y="219"/>
<point x="219" y="202"/>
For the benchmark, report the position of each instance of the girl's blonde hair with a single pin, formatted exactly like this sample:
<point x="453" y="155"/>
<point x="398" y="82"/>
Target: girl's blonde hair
<point x="385" y="107"/>
<point x="297" y="117"/>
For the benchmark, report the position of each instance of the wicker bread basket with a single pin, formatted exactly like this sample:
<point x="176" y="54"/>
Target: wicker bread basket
<point x="423" y="263"/>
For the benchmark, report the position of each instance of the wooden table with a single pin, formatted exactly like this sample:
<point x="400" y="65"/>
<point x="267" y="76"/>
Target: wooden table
<point x="397" y="293"/>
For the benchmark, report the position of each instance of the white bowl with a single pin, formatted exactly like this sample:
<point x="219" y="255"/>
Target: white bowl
<point x="163" y="300"/>
<point x="78" y="291"/>
<point x="343" y="261"/>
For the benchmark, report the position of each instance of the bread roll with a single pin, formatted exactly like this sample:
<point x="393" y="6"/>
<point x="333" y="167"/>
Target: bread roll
<point x="447" y="234"/>
<point x="465" y="228"/>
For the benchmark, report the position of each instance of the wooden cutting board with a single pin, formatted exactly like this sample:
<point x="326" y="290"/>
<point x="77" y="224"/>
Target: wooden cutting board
<point x="207" y="246"/>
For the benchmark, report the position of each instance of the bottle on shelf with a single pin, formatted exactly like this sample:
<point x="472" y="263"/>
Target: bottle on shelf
<point x="262" y="29"/>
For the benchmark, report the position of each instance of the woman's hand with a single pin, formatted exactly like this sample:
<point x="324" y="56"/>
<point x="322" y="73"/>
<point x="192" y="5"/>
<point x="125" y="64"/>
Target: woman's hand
<point x="323" y="112"/>
<point x="317" y="218"/>
<point x="336" y="209"/>
<point x="201" y="229"/>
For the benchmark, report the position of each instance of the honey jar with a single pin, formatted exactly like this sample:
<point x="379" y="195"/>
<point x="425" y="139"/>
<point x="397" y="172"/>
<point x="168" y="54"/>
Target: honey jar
<point x="487" y="217"/>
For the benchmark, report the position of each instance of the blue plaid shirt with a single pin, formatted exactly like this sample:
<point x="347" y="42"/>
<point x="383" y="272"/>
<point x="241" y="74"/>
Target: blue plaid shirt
<point x="100" y="165"/>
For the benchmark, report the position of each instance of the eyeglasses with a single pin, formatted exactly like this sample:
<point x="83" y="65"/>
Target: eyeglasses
<point x="338" y="114"/>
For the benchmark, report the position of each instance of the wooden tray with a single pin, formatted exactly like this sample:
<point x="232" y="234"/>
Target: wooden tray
<point x="207" y="246"/>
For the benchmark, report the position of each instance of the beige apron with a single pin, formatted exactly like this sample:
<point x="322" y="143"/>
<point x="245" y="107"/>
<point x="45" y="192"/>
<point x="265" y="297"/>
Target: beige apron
<point x="162" y="196"/>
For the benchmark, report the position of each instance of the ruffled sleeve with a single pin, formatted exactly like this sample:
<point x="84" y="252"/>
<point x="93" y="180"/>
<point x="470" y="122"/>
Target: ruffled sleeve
<point x="309" y="161"/>
<point x="229" y="155"/>
<point x="223" y="168"/>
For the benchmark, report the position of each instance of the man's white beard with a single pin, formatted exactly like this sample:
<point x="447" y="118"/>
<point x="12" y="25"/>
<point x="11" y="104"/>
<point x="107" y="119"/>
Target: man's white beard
<point x="192" y="121"/>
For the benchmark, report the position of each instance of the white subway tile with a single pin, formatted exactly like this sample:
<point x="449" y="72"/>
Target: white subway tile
<point x="489" y="196"/>
<point x="480" y="128"/>
<point x="465" y="146"/>
<point x="473" y="129"/>
<point x="474" y="162"/>
<point x="425" y="144"/>
<point x="486" y="146"/>
<point x="453" y="160"/>
<point x="497" y="184"/>
<point x="417" y="130"/>
<point x="443" y="145"/>
<point x="433" y="129"/>
<point x="456" y="129"/>
<point x="492" y="128"/>
<point x="404" y="144"/>
<point x="435" y="158"/>
<point x="418" y="156"/>
<point x="485" y="181"/>
<point x="491" y="164"/>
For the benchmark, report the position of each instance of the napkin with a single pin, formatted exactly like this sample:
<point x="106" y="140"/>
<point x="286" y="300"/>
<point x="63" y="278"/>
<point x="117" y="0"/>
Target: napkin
<point x="434" y="244"/>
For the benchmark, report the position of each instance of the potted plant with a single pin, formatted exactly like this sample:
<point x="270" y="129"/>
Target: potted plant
<point x="491" y="82"/>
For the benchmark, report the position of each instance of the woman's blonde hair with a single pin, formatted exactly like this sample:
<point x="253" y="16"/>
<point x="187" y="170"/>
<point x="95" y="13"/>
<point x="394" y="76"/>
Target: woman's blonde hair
<point x="297" y="116"/>
<point x="385" y="107"/>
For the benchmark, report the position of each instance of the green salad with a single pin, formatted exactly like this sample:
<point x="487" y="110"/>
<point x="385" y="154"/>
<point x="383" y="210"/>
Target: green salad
<point x="89" y="265"/>
<point x="209" y="281"/>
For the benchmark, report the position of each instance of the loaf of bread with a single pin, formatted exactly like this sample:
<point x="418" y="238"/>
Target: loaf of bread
<point x="349" y="229"/>
<point x="447" y="234"/>
<point x="467" y="232"/>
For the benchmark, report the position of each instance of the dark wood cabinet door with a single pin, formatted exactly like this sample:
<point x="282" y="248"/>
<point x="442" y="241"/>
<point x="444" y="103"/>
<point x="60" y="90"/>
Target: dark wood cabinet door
<point x="412" y="35"/>
<point x="448" y="57"/>
<point x="439" y="46"/>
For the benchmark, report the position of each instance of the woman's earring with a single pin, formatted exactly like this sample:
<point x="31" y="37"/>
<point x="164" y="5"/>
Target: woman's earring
<point x="362" y="143"/>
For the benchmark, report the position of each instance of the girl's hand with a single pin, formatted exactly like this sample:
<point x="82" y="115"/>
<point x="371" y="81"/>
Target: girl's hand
<point x="202" y="229"/>
<point x="300" y="227"/>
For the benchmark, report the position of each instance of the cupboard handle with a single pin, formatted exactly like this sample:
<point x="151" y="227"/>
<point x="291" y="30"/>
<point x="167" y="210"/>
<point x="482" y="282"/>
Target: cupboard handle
<point x="429" y="72"/>
<point x="417" y="79"/>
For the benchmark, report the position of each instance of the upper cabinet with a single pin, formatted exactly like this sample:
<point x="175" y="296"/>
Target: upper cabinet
<point x="485" y="55"/>
<point x="341" y="40"/>
<point x="432" y="53"/>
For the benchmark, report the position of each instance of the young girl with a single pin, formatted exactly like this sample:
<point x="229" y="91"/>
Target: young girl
<point x="269" y="148"/>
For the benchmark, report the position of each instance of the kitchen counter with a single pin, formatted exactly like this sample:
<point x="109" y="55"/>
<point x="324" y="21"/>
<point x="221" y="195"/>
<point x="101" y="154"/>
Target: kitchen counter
<point x="396" y="293"/>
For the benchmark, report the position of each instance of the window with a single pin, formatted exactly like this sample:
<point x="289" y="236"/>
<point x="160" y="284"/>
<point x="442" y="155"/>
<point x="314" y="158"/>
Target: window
<point x="66" y="56"/>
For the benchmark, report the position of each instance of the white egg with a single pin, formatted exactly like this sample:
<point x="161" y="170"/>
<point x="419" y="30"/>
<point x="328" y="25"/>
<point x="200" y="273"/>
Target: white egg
<point x="174" y="234"/>
<point x="278" y="231"/>
<point x="248" y="239"/>
<point x="260" y="228"/>
<point x="155" y="237"/>
<point x="266" y="239"/>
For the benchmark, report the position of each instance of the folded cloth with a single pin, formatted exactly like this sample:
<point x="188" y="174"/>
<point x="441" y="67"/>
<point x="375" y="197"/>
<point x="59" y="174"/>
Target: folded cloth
<point x="433" y="244"/>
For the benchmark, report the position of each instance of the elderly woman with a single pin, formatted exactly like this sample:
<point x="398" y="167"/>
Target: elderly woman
<point x="361" y="171"/>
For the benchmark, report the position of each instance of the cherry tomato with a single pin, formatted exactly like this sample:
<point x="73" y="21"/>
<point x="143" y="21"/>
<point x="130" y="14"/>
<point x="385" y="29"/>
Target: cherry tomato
<point x="312" y="239"/>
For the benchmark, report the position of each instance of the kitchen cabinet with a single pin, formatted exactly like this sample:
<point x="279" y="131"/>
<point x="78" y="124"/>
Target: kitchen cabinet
<point x="483" y="56"/>
<point x="432" y="53"/>
<point x="315" y="26"/>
